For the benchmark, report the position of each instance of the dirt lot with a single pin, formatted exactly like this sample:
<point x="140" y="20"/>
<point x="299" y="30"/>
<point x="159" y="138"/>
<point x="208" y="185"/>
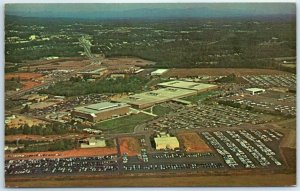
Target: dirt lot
<point x="129" y="145"/>
<point x="29" y="84"/>
<point x="219" y="72"/>
<point x="22" y="120"/>
<point x="125" y="62"/>
<point x="288" y="148"/>
<point x="42" y="105"/>
<point x="63" y="154"/>
<point x="61" y="65"/>
<point x="289" y="140"/>
<point x="196" y="180"/>
<point x="23" y="76"/>
<point x="193" y="143"/>
<point x="44" y="138"/>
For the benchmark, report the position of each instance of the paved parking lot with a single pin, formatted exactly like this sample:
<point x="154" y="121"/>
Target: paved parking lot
<point x="206" y="116"/>
<point x="285" y="105"/>
<point x="245" y="148"/>
<point x="61" y="165"/>
<point x="271" y="80"/>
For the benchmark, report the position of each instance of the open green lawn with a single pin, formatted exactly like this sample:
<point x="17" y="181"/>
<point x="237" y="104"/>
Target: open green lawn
<point x="200" y="96"/>
<point x="123" y="124"/>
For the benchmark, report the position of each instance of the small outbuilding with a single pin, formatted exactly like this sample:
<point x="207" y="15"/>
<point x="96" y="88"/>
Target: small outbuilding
<point x="255" y="90"/>
<point x="165" y="141"/>
<point x="93" y="142"/>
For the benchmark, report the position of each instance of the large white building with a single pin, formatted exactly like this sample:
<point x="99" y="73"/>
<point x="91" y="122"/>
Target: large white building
<point x="93" y="143"/>
<point x="255" y="90"/>
<point x="159" y="72"/>
<point x="164" y="141"/>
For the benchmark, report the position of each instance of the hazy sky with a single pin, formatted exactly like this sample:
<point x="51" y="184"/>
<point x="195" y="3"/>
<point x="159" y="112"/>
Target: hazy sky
<point x="116" y="10"/>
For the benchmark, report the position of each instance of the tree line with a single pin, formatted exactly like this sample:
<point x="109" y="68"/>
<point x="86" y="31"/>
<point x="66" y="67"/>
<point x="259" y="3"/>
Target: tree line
<point x="75" y="87"/>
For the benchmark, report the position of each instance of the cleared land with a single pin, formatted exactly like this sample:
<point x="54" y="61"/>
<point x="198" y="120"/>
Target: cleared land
<point x="129" y="145"/>
<point x="63" y="154"/>
<point x="42" y="105"/>
<point x="22" y="120"/>
<point x="193" y="143"/>
<point x="26" y="79"/>
<point x="43" y="138"/>
<point x="30" y="84"/>
<point x="184" y="72"/>
<point x="62" y="65"/>
<point x="288" y="148"/>
<point x="123" y="124"/>
<point x="125" y="62"/>
<point x="23" y="76"/>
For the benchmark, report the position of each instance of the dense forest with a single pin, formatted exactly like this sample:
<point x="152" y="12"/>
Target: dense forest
<point x="75" y="87"/>
<point x="239" y="42"/>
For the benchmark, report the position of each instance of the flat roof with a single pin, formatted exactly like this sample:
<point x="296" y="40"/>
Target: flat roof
<point x="166" y="140"/>
<point x="93" y="71"/>
<point x="255" y="89"/>
<point x="187" y="85"/>
<point x="156" y="96"/>
<point x="159" y="71"/>
<point x="99" y="107"/>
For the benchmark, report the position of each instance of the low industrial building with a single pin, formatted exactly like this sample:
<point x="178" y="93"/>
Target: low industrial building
<point x="199" y="87"/>
<point x="92" y="143"/>
<point x="164" y="141"/>
<point x="34" y="97"/>
<point x="148" y="99"/>
<point x="94" y="73"/>
<point x="172" y="91"/>
<point x="100" y="111"/>
<point x="159" y="72"/>
<point x="115" y="76"/>
<point x="255" y="90"/>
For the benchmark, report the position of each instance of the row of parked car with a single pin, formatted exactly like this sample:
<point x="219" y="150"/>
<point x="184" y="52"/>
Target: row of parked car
<point x="227" y="157"/>
<point x="182" y="155"/>
<point x="61" y="165"/>
<point x="206" y="116"/>
<point x="174" y="166"/>
<point x="272" y="81"/>
<point x="236" y="150"/>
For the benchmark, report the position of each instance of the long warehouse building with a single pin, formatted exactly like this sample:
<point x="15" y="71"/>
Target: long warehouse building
<point x="100" y="111"/>
<point x="172" y="91"/>
<point x="148" y="99"/>
<point x="199" y="87"/>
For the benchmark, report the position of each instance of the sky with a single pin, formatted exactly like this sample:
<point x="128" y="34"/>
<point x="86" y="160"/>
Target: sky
<point x="149" y="10"/>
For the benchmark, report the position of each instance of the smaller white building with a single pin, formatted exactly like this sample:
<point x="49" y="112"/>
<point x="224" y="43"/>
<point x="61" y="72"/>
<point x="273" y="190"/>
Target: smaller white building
<point x="93" y="142"/>
<point x="159" y="72"/>
<point x="164" y="141"/>
<point x="255" y="90"/>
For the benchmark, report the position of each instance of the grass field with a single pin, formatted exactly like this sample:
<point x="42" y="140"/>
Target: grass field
<point x="200" y="97"/>
<point x="123" y="124"/>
